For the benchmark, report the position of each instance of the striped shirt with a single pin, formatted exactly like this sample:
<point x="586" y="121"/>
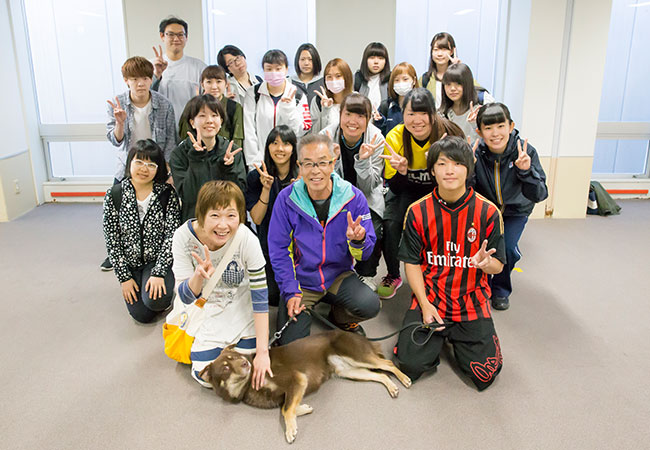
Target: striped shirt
<point x="442" y="238"/>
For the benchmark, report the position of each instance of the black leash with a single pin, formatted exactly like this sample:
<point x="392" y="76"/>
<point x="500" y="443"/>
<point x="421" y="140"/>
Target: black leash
<point x="429" y="328"/>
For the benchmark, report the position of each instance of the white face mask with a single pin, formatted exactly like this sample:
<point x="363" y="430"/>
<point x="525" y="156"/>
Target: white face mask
<point x="402" y="88"/>
<point x="335" y="86"/>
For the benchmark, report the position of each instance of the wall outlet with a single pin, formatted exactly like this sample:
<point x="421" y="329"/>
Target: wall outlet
<point x="16" y="187"/>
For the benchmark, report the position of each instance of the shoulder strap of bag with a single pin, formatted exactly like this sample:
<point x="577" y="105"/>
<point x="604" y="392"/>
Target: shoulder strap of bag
<point x="216" y="276"/>
<point x="116" y="196"/>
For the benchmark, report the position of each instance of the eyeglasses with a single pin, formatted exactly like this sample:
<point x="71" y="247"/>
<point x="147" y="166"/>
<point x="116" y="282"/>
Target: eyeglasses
<point x="321" y="164"/>
<point x="235" y="60"/>
<point x="138" y="163"/>
<point x="174" y="35"/>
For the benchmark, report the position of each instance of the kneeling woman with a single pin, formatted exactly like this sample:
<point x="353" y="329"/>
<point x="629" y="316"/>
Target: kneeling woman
<point x="237" y="308"/>
<point x="140" y="216"/>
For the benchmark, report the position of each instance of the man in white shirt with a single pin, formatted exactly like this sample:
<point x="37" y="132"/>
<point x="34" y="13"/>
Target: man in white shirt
<point x="176" y="75"/>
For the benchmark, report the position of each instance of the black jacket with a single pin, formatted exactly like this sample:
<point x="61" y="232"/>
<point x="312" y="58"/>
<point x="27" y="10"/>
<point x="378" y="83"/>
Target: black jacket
<point x="191" y="169"/>
<point x="516" y="191"/>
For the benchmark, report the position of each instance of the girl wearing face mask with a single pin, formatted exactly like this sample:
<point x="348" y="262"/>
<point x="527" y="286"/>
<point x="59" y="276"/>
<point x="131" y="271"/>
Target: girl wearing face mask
<point x="406" y="173"/>
<point x="278" y="170"/>
<point x="360" y="146"/>
<point x="402" y="80"/>
<point x="308" y="68"/>
<point x="203" y="155"/>
<point x="371" y="79"/>
<point x="326" y="106"/>
<point x="141" y="214"/>
<point x="461" y="99"/>
<point x="233" y="61"/>
<point x="274" y="102"/>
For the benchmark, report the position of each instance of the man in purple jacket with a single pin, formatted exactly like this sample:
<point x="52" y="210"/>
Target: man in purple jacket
<point x="320" y="225"/>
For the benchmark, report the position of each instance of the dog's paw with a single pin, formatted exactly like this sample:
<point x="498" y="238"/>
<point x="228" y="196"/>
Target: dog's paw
<point x="291" y="432"/>
<point x="407" y="382"/>
<point x="392" y="390"/>
<point x="304" y="409"/>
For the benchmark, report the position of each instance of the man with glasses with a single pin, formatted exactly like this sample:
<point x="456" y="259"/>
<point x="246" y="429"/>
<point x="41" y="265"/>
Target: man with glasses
<point x="320" y="225"/>
<point x="176" y="75"/>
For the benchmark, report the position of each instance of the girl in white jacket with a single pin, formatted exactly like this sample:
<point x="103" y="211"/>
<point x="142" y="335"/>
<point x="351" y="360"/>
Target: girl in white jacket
<point x="274" y="102"/>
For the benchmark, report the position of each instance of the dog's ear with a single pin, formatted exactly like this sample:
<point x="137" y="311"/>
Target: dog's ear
<point x="231" y="348"/>
<point x="205" y="373"/>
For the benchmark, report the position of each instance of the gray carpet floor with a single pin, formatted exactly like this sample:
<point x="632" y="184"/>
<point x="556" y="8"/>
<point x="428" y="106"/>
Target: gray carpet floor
<point x="78" y="373"/>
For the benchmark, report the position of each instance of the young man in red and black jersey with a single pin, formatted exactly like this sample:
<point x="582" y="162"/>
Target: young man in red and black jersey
<point x="444" y="246"/>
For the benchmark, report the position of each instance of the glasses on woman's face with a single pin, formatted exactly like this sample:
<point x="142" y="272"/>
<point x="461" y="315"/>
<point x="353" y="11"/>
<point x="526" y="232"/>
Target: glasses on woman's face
<point x="138" y="164"/>
<point x="322" y="165"/>
<point x="235" y="60"/>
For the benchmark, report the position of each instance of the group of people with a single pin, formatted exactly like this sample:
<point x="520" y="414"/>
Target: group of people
<point x="312" y="179"/>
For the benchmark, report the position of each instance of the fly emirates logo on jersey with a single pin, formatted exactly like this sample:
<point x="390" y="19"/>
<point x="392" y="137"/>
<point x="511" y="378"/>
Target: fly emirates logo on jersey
<point x="448" y="260"/>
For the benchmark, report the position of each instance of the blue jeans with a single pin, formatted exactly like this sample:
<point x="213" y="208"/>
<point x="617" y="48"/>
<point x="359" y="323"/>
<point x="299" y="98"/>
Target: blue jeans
<point x="513" y="228"/>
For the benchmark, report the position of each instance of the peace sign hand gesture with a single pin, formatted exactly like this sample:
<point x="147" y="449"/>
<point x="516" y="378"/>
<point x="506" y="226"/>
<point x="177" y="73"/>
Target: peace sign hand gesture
<point x="336" y="148"/>
<point x="159" y="63"/>
<point x="483" y="257"/>
<point x="229" y="93"/>
<point x="118" y="112"/>
<point x="204" y="269"/>
<point x="399" y="163"/>
<point x="475" y="146"/>
<point x="229" y="157"/>
<point x="196" y="142"/>
<point x="473" y="112"/>
<point x="453" y="59"/>
<point x="376" y="116"/>
<point x="355" y="231"/>
<point x="523" y="161"/>
<point x="289" y="98"/>
<point x="265" y="178"/>
<point x="367" y="150"/>
<point x="326" y="102"/>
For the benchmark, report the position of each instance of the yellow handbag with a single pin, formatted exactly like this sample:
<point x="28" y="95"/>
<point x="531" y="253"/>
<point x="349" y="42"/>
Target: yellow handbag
<point x="184" y="321"/>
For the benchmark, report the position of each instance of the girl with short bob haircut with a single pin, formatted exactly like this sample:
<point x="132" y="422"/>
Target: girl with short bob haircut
<point x="279" y="169"/>
<point x="372" y="77"/>
<point x="325" y="108"/>
<point x="308" y="66"/>
<point x="441" y="55"/>
<point x="233" y="61"/>
<point x="141" y="214"/>
<point x="460" y="99"/>
<point x="406" y="172"/>
<point x="402" y="80"/>
<point x="204" y="155"/>
<point x="237" y="309"/>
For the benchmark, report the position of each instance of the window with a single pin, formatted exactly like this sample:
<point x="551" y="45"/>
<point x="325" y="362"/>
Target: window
<point x="281" y="24"/>
<point x="624" y="118"/>
<point x="77" y="49"/>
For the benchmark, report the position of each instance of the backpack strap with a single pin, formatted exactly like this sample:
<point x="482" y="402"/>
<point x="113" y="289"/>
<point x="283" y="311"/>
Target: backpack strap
<point x="425" y="79"/>
<point x="116" y="196"/>
<point x="164" y="200"/>
<point x="231" y="108"/>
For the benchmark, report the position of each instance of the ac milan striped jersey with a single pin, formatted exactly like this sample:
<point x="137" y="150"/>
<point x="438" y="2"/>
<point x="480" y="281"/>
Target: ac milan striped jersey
<point x="442" y="238"/>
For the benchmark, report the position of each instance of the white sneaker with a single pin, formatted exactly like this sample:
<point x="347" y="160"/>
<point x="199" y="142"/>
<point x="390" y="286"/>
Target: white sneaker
<point x="368" y="281"/>
<point x="200" y="380"/>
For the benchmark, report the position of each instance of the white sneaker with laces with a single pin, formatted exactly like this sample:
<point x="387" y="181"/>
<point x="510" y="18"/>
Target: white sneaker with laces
<point x="368" y="281"/>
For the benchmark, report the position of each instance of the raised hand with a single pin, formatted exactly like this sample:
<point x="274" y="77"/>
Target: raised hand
<point x="398" y="162"/>
<point x="229" y="93"/>
<point x="475" y="146"/>
<point x="159" y="63"/>
<point x="118" y="112"/>
<point x="336" y="148"/>
<point x="355" y="231"/>
<point x="473" y="112"/>
<point x="523" y="161"/>
<point x="483" y="257"/>
<point x="229" y="157"/>
<point x="453" y="59"/>
<point x="204" y="269"/>
<point x="289" y="98"/>
<point x="367" y="150"/>
<point x="326" y="102"/>
<point x="265" y="178"/>
<point x="376" y="116"/>
<point x="196" y="142"/>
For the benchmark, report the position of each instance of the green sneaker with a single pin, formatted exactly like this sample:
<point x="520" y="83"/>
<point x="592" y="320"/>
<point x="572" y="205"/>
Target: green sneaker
<point x="388" y="287"/>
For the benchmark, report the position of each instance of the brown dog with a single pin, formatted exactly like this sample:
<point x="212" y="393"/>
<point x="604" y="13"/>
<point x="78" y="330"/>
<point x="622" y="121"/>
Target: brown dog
<point x="299" y="368"/>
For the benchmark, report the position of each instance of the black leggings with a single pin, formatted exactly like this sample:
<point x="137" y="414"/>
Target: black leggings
<point x="396" y="206"/>
<point x="145" y="309"/>
<point x="476" y="349"/>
